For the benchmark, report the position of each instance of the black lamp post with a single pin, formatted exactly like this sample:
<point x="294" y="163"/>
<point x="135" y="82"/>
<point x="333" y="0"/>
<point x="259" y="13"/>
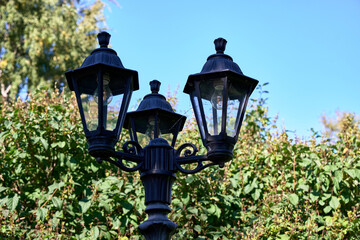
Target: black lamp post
<point x="219" y="95"/>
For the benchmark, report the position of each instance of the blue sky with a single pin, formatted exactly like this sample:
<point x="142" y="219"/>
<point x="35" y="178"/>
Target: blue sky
<point x="308" y="50"/>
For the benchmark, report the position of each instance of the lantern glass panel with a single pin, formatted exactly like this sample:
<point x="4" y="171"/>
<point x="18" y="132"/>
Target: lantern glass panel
<point x="113" y="97"/>
<point x="143" y="128"/>
<point x="236" y="107"/>
<point x="196" y="105"/>
<point x="87" y="85"/>
<point x="112" y="93"/>
<point x="150" y="131"/>
<point x="169" y="127"/>
<point x="113" y="109"/>
<point x="90" y="108"/>
<point x="143" y="139"/>
<point x="212" y="96"/>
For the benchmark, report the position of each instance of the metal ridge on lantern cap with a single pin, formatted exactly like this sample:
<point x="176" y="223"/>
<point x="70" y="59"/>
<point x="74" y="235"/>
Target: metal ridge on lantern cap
<point x="103" y="54"/>
<point x="154" y="99"/>
<point x="220" y="61"/>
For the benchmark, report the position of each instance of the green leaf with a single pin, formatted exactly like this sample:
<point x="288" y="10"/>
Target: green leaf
<point x="304" y="187"/>
<point x="44" y="143"/>
<point x="305" y="162"/>
<point x="3" y="188"/>
<point x="203" y="217"/>
<point x="328" y="220"/>
<point x="84" y="205"/>
<point x="338" y="176"/>
<point x="18" y="169"/>
<point x="218" y="211"/>
<point x="283" y="237"/>
<point x="314" y="196"/>
<point x="126" y="207"/>
<point x="58" y="144"/>
<point x="294" y="199"/>
<point x="96" y="232"/>
<point x="234" y="182"/>
<point x="190" y="179"/>
<point x="41" y="213"/>
<point x="94" y="167"/>
<point x="351" y="172"/>
<point x="357" y="173"/>
<point x="55" y="185"/>
<point x="185" y="198"/>
<point x="116" y="223"/>
<point x="197" y="228"/>
<point x="3" y="201"/>
<point x="13" y="202"/>
<point x="248" y="188"/>
<point x="256" y="194"/>
<point x="212" y="209"/>
<point x="55" y="222"/>
<point x="193" y="211"/>
<point x="59" y="214"/>
<point x="57" y="202"/>
<point x="61" y="144"/>
<point x="327" y="209"/>
<point x="334" y="202"/>
<point x="105" y="205"/>
<point x="325" y="196"/>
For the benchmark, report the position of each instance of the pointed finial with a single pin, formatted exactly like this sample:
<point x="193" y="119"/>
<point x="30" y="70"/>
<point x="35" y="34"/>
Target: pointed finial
<point x="220" y="44"/>
<point x="104" y="39"/>
<point x="155" y="86"/>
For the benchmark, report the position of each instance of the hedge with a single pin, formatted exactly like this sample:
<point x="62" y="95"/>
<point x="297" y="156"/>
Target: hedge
<point x="276" y="186"/>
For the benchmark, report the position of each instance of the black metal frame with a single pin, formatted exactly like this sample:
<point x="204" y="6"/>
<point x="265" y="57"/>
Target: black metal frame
<point x="157" y="163"/>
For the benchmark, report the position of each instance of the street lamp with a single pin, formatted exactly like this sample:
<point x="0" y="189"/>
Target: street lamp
<point x="103" y="89"/>
<point x="219" y="95"/>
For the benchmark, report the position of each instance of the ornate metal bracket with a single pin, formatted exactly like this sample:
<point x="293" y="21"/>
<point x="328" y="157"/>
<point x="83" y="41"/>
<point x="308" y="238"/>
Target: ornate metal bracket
<point x="132" y="152"/>
<point x="157" y="163"/>
<point x="189" y="158"/>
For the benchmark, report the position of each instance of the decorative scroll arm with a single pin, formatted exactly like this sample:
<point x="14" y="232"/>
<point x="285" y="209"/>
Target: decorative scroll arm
<point x="132" y="152"/>
<point x="190" y="157"/>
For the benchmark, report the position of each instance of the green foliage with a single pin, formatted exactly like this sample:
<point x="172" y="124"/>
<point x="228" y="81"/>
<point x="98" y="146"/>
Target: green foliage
<point x="274" y="188"/>
<point x="40" y="40"/>
<point x="49" y="186"/>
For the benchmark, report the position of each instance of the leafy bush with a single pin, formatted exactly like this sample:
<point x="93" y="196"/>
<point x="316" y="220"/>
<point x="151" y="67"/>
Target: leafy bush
<point x="274" y="188"/>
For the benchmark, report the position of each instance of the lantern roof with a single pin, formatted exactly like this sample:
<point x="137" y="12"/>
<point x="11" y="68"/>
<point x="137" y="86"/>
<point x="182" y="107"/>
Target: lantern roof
<point x="219" y="65"/>
<point x="156" y="102"/>
<point x="220" y="61"/>
<point x="103" y="54"/>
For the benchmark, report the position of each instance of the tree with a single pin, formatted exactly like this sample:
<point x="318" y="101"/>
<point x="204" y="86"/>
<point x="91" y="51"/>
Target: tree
<point x="41" y="39"/>
<point x="343" y="123"/>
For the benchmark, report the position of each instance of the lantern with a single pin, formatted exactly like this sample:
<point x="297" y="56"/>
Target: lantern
<point x="154" y="118"/>
<point x="103" y="89"/>
<point x="219" y="96"/>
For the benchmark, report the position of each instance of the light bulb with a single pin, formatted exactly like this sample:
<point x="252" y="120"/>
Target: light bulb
<point x="150" y="130"/>
<point x="217" y="97"/>
<point x="107" y="95"/>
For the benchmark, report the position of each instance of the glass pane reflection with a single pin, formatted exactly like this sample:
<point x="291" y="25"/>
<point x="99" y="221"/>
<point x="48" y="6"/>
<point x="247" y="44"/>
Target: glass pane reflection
<point x="90" y="108"/>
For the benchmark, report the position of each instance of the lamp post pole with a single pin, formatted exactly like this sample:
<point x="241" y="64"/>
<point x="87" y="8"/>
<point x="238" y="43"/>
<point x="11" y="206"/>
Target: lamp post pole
<point x="103" y="88"/>
<point x="158" y="178"/>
